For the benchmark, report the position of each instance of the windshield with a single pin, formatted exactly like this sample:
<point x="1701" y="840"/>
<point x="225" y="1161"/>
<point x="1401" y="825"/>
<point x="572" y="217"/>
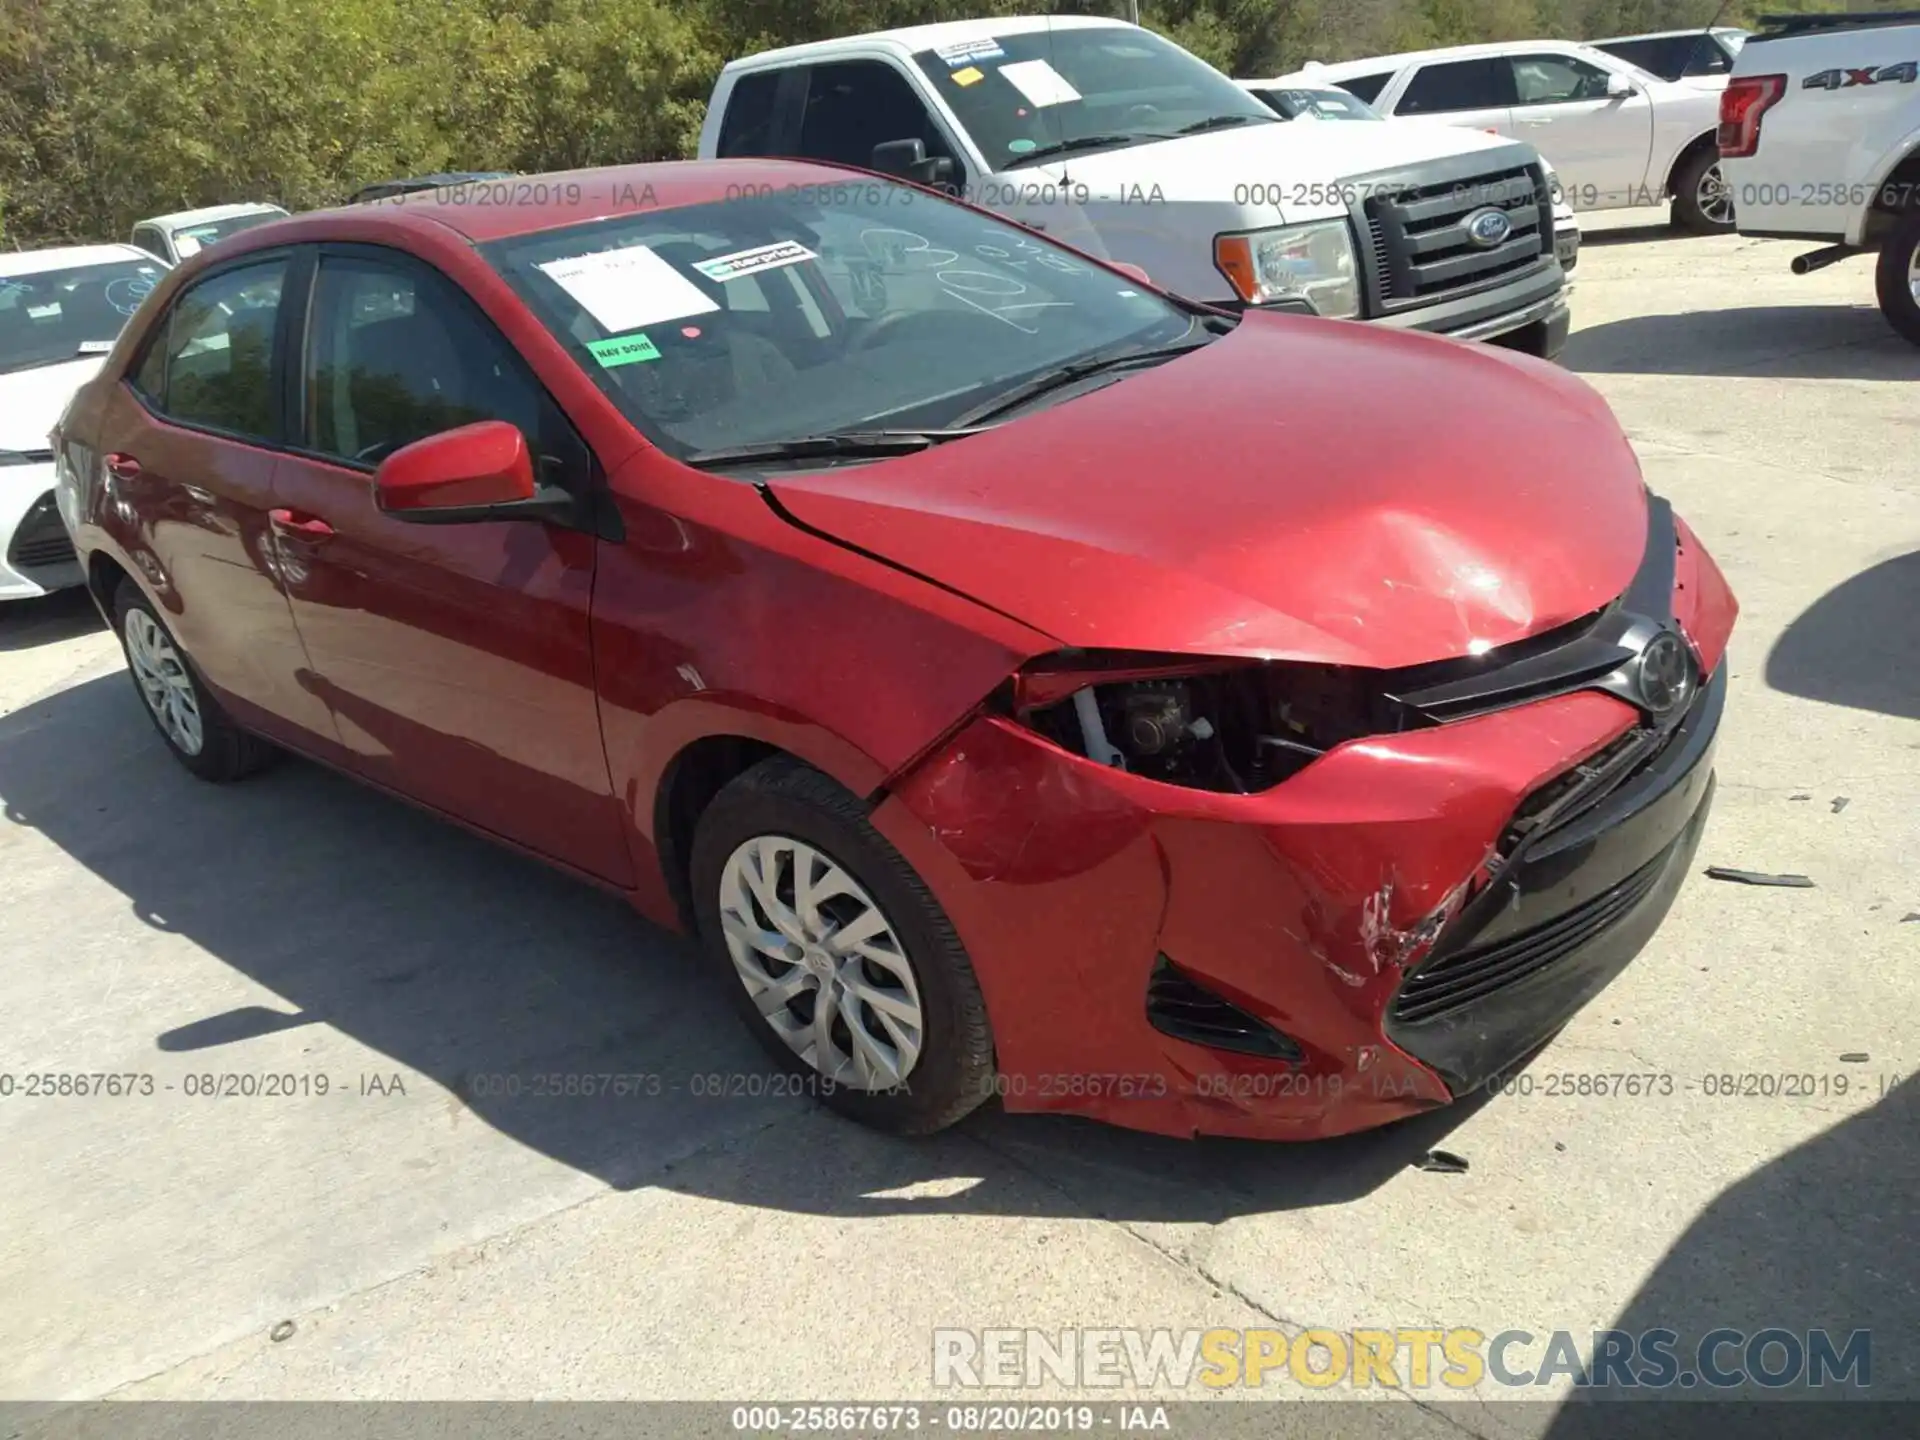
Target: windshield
<point x="1296" y="104"/>
<point x="192" y="239"/>
<point x="56" y="315"/>
<point x="1020" y="95"/>
<point x="817" y="308"/>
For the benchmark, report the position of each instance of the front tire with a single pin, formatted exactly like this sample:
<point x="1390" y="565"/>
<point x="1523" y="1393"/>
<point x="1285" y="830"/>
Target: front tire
<point x="200" y="735"/>
<point x="1897" y="276"/>
<point x="837" y="955"/>
<point x="1702" y="198"/>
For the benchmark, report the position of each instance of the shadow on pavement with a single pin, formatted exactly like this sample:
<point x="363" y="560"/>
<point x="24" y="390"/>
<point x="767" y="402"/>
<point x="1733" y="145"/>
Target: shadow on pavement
<point x="46" y="619"/>
<point x="1859" y="644"/>
<point x="1821" y="1238"/>
<point x="482" y="970"/>
<point x="1817" y="342"/>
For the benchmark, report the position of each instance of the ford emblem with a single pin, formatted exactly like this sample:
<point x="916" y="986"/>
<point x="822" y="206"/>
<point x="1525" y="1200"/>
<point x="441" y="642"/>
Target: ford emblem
<point x="1487" y="226"/>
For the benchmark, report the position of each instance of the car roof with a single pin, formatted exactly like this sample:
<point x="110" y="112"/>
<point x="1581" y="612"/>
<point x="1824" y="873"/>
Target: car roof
<point x="209" y="213"/>
<point x="69" y="257"/>
<point x="915" y="38"/>
<point x="1347" y="68"/>
<point x="553" y="201"/>
<point x="1670" y="34"/>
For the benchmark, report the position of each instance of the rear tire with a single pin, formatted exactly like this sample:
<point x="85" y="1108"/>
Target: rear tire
<point x="923" y="1054"/>
<point x="1897" y="276"/>
<point x="1702" y="199"/>
<point x="198" y="733"/>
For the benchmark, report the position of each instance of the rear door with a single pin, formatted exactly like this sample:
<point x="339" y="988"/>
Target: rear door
<point x="190" y="443"/>
<point x="455" y="658"/>
<point x="1599" y="143"/>
<point x="1476" y="92"/>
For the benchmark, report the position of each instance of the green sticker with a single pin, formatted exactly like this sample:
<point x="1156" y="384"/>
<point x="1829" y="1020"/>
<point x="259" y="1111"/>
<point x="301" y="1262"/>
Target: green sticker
<point x="622" y="350"/>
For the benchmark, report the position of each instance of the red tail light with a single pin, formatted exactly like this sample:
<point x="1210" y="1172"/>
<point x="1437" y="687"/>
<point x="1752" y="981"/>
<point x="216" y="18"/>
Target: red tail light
<point x="1742" y="104"/>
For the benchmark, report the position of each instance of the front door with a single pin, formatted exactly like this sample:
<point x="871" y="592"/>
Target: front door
<point x="455" y="658"/>
<point x="1599" y="143"/>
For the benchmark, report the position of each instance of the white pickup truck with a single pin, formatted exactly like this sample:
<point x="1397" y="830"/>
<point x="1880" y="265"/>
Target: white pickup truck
<point x="1820" y="140"/>
<point x="1117" y="141"/>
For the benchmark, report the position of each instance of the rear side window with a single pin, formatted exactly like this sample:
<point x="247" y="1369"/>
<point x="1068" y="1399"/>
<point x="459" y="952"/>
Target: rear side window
<point x="747" y="126"/>
<point x="210" y="363"/>
<point x="1367" y="87"/>
<point x="1458" y="85"/>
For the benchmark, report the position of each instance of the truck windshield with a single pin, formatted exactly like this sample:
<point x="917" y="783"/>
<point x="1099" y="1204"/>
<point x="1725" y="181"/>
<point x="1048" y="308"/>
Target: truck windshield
<point x="1029" y="96"/>
<point x="796" y="310"/>
<point x="56" y="315"/>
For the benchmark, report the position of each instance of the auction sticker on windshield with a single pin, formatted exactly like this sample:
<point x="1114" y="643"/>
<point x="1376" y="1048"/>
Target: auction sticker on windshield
<point x="760" y="257"/>
<point x="622" y="350"/>
<point x="984" y="49"/>
<point x="1039" y="82"/>
<point x="628" y="289"/>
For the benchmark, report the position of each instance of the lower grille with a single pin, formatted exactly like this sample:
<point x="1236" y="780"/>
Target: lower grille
<point x="1421" y="249"/>
<point x="1468" y="975"/>
<point x="41" y="538"/>
<point x="1178" y="1005"/>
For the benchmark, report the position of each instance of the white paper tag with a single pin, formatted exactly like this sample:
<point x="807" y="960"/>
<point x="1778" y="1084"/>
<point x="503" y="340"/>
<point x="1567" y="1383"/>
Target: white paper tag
<point x="985" y="48"/>
<point x="628" y="289"/>
<point x="1039" y="82"/>
<point x="760" y="257"/>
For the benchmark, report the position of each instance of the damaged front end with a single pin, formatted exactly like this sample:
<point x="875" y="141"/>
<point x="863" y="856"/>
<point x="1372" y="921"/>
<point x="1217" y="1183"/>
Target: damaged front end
<point x="1273" y="899"/>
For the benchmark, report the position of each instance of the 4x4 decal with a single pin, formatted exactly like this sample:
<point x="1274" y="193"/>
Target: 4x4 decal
<point x="1904" y="74"/>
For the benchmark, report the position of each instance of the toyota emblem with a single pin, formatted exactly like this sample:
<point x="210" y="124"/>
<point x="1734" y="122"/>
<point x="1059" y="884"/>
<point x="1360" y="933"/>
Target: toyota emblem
<point x="1665" y="675"/>
<point x="1487" y="226"/>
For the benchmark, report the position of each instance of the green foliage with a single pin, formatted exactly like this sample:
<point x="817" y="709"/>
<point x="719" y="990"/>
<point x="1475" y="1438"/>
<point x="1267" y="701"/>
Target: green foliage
<point x="111" y="110"/>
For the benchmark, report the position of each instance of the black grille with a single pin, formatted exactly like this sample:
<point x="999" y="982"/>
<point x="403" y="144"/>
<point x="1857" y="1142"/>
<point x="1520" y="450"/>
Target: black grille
<point x="41" y="538"/>
<point x="1468" y="975"/>
<point x="1178" y="1005"/>
<point x="1421" y="252"/>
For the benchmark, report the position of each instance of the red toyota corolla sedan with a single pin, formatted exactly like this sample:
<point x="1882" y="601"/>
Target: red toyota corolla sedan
<point x="1025" y="683"/>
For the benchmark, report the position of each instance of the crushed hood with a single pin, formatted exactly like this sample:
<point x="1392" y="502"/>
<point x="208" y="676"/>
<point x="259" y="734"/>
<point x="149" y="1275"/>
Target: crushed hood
<point x="32" y="400"/>
<point x="1301" y="488"/>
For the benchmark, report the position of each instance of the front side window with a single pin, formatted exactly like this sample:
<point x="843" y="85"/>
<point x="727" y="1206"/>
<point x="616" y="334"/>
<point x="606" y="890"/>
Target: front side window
<point x="1458" y="85"/>
<point x="1556" y="80"/>
<point x="819" y="308"/>
<point x="215" y="365"/>
<point x="1024" y="97"/>
<point x="855" y="105"/>
<point x="747" y="126"/>
<point x="1366" y="87"/>
<point x="52" y="316"/>
<point x="394" y="355"/>
<point x="1294" y="104"/>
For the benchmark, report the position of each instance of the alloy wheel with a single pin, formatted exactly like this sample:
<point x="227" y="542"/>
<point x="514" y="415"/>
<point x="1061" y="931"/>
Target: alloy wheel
<point x="1714" y="196"/>
<point x="822" y="963"/>
<point x="1913" y="274"/>
<point x="164" y="682"/>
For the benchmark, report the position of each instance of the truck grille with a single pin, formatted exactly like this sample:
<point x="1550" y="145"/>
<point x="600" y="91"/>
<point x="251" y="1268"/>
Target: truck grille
<point x="1420" y="249"/>
<point x="41" y="538"/>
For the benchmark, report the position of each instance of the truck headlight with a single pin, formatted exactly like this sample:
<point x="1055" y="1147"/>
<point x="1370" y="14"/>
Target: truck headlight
<point x="1312" y="262"/>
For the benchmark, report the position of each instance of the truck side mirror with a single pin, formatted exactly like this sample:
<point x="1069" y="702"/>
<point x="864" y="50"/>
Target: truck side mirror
<point x="908" y="159"/>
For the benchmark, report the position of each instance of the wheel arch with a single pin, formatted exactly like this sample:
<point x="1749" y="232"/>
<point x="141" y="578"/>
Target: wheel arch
<point x="691" y="779"/>
<point x="1707" y="140"/>
<point x="1881" y="215"/>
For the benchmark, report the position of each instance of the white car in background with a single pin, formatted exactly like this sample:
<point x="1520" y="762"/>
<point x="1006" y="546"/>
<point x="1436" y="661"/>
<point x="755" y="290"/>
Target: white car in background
<point x="1620" y="137"/>
<point x="186" y="233"/>
<point x="60" y="312"/>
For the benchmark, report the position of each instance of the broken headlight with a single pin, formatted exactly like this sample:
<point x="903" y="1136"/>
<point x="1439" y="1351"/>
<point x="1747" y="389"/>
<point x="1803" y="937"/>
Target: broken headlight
<point x="1230" y="725"/>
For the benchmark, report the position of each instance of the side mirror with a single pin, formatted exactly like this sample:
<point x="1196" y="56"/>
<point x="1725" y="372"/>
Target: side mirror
<point x="476" y="472"/>
<point x="1619" y="86"/>
<point x="908" y="159"/>
<point x="1127" y="268"/>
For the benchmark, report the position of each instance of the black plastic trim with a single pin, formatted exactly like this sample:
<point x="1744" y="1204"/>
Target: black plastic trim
<point x="1180" y="1006"/>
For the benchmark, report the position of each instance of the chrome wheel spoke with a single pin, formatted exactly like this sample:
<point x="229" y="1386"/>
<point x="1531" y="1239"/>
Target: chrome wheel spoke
<point x="164" y="682"/>
<point x="1913" y="274"/>
<point x="821" y="962"/>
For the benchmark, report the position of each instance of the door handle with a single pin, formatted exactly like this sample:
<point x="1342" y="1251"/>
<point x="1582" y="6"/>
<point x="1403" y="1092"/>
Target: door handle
<point x="306" y="527"/>
<point x="123" y="467"/>
<point x="1547" y="121"/>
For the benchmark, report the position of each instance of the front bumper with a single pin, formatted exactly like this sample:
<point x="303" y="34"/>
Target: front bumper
<point x="1329" y="911"/>
<point x="36" y="553"/>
